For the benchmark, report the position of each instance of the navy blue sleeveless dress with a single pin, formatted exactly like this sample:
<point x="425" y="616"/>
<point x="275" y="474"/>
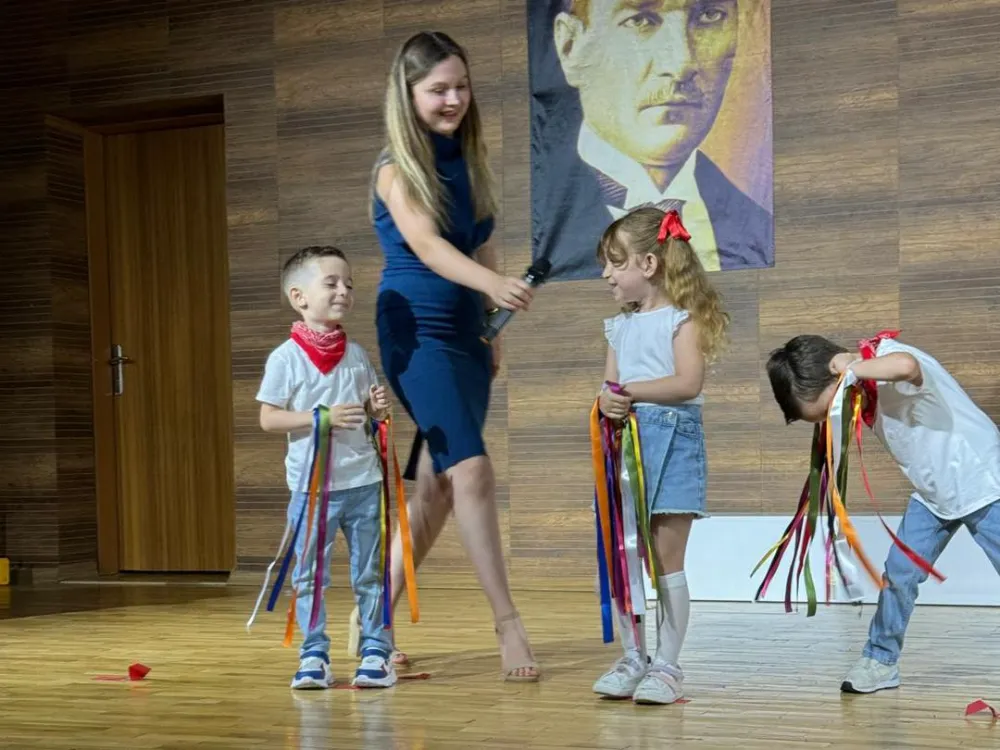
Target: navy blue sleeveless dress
<point x="429" y="327"/>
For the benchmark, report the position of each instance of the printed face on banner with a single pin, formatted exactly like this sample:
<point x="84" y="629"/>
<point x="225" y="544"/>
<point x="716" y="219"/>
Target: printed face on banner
<point x="662" y="102"/>
<point x="650" y="75"/>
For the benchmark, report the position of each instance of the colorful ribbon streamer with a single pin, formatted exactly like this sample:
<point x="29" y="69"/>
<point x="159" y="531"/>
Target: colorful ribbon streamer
<point x="820" y="496"/>
<point x="622" y="517"/>
<point x="318" y="484"/>
<point x="384" y="441"/>
<point x="380" y="438"/>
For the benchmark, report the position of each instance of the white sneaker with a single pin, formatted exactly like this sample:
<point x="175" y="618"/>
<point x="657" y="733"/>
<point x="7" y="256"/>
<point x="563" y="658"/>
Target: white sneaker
<point x="376" y="671"/>
<point x="314" y="672"/>
<point x="660" y="686"/>
<point x="624" y="676"/>
<point x="869" y="676"/>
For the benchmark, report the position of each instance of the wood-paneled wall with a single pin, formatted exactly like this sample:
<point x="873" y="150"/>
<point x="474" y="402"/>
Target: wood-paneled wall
<point x="887" y="204"/>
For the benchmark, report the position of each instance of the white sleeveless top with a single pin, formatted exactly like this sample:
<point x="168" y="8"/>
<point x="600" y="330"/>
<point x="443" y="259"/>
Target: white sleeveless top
<point x="942" y="441"/>
<point x="644" y="344"/>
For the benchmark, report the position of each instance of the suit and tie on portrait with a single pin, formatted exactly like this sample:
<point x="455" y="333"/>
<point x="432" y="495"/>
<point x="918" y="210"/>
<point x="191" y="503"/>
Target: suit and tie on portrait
<point x="624" y="93"/>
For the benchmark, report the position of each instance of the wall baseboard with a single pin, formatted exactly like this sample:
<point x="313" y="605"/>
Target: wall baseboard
<point x="724" y="549"/>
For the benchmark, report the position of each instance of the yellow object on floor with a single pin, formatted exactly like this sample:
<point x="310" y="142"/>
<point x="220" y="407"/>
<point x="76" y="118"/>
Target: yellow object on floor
<point x="4" y="571"/>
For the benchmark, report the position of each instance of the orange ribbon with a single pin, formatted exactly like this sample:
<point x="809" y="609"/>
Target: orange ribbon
<point x="409" y="568"/>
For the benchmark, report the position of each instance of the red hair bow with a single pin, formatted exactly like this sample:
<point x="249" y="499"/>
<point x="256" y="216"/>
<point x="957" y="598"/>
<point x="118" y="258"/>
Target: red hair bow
<point x="671" y="226"/>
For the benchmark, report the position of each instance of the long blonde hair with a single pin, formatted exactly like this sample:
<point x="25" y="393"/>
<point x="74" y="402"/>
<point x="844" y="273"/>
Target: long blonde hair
<point x="410" y="147"/>
<point x="678" y="270"/>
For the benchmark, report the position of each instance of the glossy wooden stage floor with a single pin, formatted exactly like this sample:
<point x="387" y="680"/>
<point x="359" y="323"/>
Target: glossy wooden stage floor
<point x="757" y="678"/>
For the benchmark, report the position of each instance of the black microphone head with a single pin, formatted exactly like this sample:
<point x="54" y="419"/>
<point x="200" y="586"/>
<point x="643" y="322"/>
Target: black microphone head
<point x="540" y="268"/>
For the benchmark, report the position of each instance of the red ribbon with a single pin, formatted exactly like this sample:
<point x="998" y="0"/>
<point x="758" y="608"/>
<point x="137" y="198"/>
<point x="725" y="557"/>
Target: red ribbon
<point x="671" y="226"/>
<point x="916" y="559"/>
<point x="324" y="349"/>
<point x="868" y="348"/>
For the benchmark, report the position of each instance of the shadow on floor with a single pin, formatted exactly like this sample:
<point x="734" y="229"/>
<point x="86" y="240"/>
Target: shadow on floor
<point x="62" y="598"/>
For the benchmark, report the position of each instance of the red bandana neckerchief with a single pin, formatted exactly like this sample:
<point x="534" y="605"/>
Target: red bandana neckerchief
<point x="868" y="348"/>
<point x="324" y="349"/>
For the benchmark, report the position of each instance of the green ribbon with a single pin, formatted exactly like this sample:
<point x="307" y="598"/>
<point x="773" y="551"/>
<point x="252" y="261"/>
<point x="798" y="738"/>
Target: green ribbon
<point x="815" y="473"/>
<point x="632" y="455"/>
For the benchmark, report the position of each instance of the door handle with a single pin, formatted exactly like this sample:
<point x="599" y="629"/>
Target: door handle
<point x="118" y="361"/>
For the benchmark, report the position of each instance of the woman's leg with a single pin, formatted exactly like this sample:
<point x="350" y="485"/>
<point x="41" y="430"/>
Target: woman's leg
<point x="474" y="487"/>
<point x="428" y="510"/>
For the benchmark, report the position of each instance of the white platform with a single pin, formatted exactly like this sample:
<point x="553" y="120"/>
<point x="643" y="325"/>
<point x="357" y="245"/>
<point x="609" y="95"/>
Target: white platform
<point x="724" y="549"/>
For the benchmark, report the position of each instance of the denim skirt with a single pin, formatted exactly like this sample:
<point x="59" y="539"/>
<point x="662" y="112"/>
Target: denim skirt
<point x="672" y="440"/>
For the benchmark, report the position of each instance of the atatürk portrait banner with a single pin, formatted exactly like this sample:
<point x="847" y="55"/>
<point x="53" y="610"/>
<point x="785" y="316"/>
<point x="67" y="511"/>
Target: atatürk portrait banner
<point x="661" y="102"/>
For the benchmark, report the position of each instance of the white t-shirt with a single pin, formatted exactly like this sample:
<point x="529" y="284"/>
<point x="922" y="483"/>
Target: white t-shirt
<point x="644" y="344"/>
<point x="291" y="381"/>
<point x="946" y="446"/>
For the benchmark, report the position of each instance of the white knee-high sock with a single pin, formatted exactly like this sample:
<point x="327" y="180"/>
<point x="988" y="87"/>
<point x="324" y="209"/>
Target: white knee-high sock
<point x="673" y="612"/>
<point x="627" y="632"/>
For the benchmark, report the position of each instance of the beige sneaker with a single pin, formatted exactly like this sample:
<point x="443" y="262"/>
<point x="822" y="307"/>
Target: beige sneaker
<point x="870" y="676"/>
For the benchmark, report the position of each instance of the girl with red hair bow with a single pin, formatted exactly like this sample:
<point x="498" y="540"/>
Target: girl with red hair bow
<point x="648" y="443"/>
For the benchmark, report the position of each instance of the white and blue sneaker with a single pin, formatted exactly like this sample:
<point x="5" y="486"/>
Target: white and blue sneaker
<point x="314" y="672"/>
<point x="376" y="671"/>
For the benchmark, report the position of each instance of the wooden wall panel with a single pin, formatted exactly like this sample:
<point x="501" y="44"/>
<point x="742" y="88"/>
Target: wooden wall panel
<point x="71" y="352"/>
<point x="886" y="187"/>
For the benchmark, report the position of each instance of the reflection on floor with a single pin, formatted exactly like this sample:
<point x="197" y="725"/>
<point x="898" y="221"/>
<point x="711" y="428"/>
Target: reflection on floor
<point x="756" y="678"/>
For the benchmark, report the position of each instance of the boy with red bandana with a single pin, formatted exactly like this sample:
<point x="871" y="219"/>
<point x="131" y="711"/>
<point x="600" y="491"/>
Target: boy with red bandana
<point x="320" y="366"/>
<point x="946" y="446"/>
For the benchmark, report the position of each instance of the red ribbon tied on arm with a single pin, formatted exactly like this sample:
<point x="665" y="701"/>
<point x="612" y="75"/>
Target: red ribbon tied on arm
<point x="868" y="348"/>
<point x="671" y="226"/>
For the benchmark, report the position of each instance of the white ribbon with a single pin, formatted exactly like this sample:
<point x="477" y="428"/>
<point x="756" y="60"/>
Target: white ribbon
<point x="289" y="525"/>
<point x="267" y="575"/>
<point x="630" y="532"/>
<point x="851" y="576"/>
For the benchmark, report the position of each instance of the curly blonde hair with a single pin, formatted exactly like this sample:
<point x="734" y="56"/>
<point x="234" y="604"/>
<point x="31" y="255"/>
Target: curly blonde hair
<point x="678" y="269"/>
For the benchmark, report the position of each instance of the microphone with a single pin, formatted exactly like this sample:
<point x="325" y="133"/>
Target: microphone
<point x="533" y="277"/>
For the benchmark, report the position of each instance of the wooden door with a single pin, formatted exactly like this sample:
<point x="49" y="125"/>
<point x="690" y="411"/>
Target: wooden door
<point x="169" y="288"/>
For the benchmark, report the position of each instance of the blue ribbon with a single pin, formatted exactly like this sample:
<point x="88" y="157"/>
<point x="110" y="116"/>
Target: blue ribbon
<point x="286" y="563"/>
<point x="602" y="575"/>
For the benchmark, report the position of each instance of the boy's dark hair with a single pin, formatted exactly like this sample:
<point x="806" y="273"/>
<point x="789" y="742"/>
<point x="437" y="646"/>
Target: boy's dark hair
<point x="307" y="255"/>
<point x="800" y="371"/>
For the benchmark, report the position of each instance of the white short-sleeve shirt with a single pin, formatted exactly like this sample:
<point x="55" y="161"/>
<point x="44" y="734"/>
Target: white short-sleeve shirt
<point x="644" y="344"/>
<point x="946" y="446"/>
<point x="291" y="381"/>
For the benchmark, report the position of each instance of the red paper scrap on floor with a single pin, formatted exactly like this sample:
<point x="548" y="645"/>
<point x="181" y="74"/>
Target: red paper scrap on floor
<point x="136" y="672"/>
<point x="976" y="706"/>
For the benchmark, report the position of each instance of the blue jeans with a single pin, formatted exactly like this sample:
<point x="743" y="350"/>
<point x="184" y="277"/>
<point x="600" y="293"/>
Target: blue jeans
<point x="356" y="512"/>
<point x="927" y="535"/>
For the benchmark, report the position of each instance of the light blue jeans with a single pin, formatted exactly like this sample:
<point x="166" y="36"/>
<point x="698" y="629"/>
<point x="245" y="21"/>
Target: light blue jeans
<point x="927" y="535"/>
<point x="355" y="512"/>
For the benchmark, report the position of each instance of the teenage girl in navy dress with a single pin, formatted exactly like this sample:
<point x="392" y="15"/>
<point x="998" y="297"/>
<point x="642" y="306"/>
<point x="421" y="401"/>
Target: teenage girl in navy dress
<point x="432" y="208"/>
